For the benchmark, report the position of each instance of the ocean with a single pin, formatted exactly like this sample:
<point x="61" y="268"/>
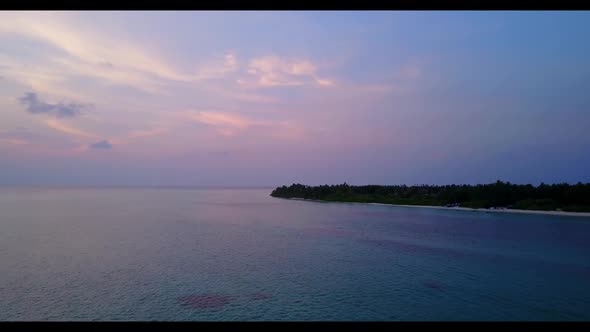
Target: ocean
<point x="141" y="254"/>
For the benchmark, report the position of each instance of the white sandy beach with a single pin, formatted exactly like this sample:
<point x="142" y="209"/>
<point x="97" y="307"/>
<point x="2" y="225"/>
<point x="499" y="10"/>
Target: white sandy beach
<point x="555" y="213"/>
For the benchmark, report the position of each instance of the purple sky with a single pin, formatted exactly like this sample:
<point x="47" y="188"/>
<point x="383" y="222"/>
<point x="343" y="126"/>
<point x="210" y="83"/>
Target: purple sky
<point x="271" y="98"/>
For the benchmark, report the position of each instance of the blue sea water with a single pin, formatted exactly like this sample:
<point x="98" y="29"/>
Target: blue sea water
<point x="241" y="255"/>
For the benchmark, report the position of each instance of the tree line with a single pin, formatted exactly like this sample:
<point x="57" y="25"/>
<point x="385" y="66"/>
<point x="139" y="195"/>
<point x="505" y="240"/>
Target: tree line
<point x="562" y="196"/>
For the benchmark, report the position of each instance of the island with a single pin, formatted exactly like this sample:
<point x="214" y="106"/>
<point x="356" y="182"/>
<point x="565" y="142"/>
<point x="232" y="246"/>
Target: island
<point x="562" y="197"/>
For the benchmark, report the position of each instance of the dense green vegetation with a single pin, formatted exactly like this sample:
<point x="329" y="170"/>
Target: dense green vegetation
<point x="563" y="196"/>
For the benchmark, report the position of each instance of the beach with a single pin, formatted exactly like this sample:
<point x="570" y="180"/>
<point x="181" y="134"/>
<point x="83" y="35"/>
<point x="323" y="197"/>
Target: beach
<point x="555" y="213"/>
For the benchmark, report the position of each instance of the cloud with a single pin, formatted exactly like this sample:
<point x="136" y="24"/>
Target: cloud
<point x="88" y="45"/>
<point x="271" y="71"/>
<point x="218" y="69"/>
<point x="59" y="126"/>
<point x="324" y="82"/>
<point x="48" y="77"/>
<point x="76" y="57"/>
<point x="77" y="49"/>
<point x="88" y="51"/>
<point x="231" y="124"/>
<point x="111" y="74"/>
<point x="101" y="145"/>
<point x="35" y="106"/>
<point x="222" y="119"/>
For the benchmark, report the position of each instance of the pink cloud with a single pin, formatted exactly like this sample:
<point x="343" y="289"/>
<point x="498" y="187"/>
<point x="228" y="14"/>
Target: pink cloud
<point x="273" y="71"/>
<point x="220" y="119"/>
<point x="218" y="69"/>
<point x="62" y="127"/>
<point x="230" y="124"/>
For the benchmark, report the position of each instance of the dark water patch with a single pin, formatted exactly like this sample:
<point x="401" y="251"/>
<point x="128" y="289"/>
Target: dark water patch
<point x="205" y="301"/>
<point x="433" y="285"/>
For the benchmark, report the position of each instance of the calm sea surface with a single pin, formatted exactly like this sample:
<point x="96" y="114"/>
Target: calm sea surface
<point x="239" y="254"/>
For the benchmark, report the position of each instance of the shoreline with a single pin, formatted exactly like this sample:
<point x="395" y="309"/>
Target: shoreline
<point x="540" y="212"/>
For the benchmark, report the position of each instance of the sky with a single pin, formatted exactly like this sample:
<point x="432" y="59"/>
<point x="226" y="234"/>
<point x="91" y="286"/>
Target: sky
<point x="197" y="98"/>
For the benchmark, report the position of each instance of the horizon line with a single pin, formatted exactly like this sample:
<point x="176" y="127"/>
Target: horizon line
<point x="4" y="186"/>
<point x="165" y="186"/>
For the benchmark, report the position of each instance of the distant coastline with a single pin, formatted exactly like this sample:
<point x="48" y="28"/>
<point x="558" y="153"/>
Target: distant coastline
<point x="554" y="213"/>
<point x="503" y="197"/>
